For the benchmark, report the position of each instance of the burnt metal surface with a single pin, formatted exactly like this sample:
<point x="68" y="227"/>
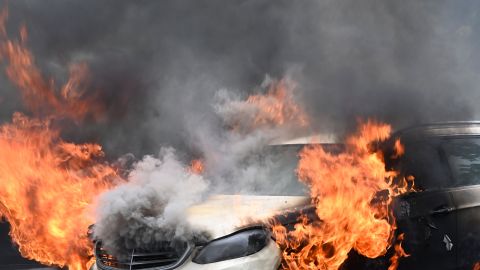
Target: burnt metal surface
<point x="427" y="218"/>
<point x="290" y="217"/>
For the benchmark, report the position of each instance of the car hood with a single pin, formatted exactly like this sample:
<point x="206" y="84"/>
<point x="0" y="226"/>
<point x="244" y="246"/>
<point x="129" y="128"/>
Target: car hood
<point x="221" y="215"/>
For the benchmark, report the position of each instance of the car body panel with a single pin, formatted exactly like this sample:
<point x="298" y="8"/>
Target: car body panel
<point x="467" y="203"/>
<point x="430" y="231"/>
<point x="221" y="215"/>
<point x="268" y="259"/>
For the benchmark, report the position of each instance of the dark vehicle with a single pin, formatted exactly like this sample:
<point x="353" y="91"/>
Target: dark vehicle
<point x="441" y="220"/>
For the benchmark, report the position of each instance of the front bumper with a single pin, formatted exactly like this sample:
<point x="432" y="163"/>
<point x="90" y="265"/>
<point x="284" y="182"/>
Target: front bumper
<point x="266" y="259"/>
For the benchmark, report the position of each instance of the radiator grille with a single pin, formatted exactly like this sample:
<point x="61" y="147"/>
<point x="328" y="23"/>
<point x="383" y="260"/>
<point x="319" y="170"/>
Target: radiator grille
<point x="164" y="257"/>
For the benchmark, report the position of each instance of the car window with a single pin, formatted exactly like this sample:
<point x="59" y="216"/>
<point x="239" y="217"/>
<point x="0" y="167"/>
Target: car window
<point x="424" y="161"/>
<point x="463" y="155"/>
<point x="272" y="172"/>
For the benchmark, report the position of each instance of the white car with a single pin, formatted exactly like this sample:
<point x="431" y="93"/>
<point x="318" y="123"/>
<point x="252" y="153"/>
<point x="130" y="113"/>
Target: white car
<point x="235" y="225"/>
<point x="239" y="240"/>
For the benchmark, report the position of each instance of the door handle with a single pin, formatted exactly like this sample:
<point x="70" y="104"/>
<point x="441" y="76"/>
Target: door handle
<point x="441" y="210"/>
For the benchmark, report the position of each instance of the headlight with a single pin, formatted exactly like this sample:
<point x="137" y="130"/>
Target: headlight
<point x="233" y="246"/>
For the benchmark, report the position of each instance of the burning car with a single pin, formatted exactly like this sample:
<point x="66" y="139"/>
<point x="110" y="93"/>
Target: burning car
<point x="439" y="220"/>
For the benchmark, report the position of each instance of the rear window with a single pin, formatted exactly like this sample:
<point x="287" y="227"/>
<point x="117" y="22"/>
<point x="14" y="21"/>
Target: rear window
<point x="463" y="155"/>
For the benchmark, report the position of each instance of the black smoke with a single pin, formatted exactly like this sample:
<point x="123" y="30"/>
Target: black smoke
<point x="156" y="65"/>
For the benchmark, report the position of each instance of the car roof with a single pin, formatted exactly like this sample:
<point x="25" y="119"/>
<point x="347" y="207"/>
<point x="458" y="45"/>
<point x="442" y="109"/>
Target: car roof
<point x="417" y="132"/>
<point x="444" y="129"/>
<point x="319" y="138"/>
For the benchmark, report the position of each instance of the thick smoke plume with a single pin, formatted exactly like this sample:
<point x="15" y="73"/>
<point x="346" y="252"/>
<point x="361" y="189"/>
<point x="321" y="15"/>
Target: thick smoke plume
<point x="157" y="64"/>
<point x="151" y="207"/>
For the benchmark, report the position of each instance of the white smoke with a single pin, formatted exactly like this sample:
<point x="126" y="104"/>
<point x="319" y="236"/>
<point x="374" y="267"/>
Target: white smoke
<point x="150" y="207"/>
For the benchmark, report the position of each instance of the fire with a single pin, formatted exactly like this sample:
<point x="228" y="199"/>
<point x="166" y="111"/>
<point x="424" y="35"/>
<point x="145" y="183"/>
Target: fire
<point x="48" y="185"/>
<point x="399" y="252"/>
<point x="277" y="107"/>
<point x="39" y="93"/>
<point x="343" y="188"/>
<point x="197" y="166"/>
<point x="399" y="149"/>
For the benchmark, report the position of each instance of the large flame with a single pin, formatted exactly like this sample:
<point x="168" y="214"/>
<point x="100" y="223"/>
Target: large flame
<point x="40" y="94"/>
<point x="48" y="185"/>
<point x="47" y="188"/>
<point x="345" y="190"/>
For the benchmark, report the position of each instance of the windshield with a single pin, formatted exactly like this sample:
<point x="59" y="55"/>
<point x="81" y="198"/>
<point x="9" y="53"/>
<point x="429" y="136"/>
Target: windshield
<point x="272" y="172"/>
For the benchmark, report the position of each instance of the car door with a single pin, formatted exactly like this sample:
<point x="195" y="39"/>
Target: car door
<point x="428" y="221"/>
<point x="427" y="217"/>
<point x="463" y="156"/>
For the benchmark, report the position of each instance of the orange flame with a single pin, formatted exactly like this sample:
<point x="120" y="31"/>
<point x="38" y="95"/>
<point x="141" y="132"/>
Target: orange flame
<point x="48" y="185"/>
<point x="278" y="106"/>
<point x="343" y="188"/>
<point x="47" y="188"/>
<point x="38" y="93"/>
<point x="399" y="149"/>
<point x="197" y="166"/>
<point x="399" y="253"/>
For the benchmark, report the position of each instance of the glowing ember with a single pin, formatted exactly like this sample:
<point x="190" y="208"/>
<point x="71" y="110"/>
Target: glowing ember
<point x="48" y="185"/>
<point x="342" y="188"/>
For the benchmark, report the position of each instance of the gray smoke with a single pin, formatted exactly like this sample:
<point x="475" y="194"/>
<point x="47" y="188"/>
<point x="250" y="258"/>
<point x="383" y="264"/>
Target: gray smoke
<point x="157" y="64"/>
